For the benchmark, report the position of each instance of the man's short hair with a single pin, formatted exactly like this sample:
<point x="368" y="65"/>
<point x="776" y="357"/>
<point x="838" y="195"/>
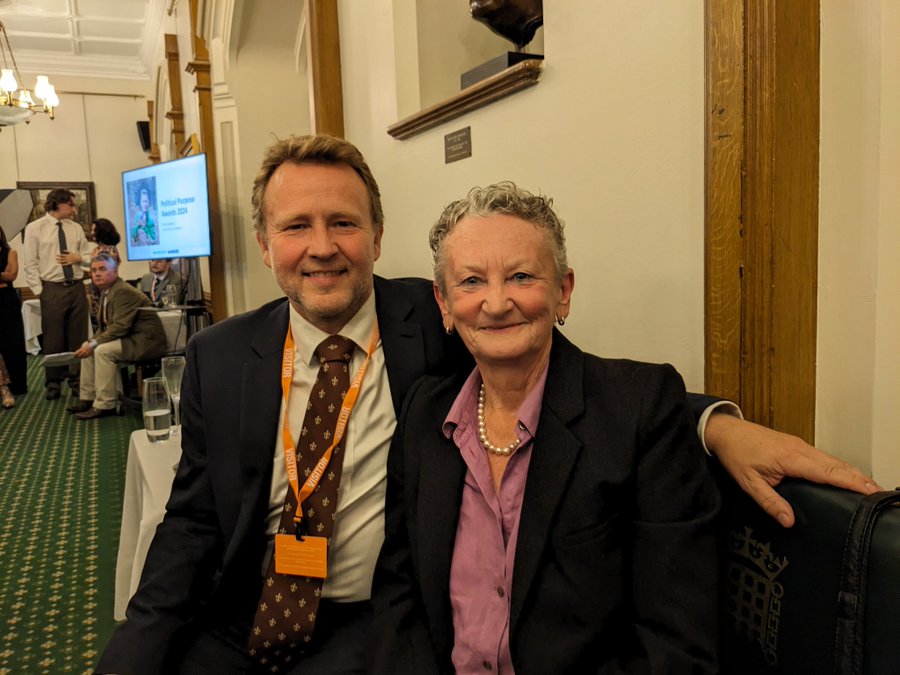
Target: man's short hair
<point x="57" y="197"/>
<point x="105" y="257"/>
<point x="319" y="149"/>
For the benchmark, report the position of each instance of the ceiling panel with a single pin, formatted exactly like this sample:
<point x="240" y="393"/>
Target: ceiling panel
<point x="116" y="30"/>
<point x="133" y="10"/>
<point x="40" y="7"/>
<point x="38" y="44"/>
<point x="37" y="24"/>
<point x="100" y="48"/>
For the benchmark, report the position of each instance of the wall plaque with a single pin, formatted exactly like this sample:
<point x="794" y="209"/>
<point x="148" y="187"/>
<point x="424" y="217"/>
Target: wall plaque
<point x="458" y="145"/>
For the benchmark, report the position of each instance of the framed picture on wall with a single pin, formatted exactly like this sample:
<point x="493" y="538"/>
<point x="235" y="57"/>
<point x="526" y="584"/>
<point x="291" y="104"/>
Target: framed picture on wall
<point x="84" y="198"/>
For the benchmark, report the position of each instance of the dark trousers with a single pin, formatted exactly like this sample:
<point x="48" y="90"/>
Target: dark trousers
<point x="339" y="646"/>
<point x="64" y="321"/>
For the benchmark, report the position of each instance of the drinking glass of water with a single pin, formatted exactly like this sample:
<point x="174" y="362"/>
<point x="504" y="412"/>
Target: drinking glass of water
<point x="155" y="403"/>
<point x="172" y="370"/>
<point x="170" y="297"/>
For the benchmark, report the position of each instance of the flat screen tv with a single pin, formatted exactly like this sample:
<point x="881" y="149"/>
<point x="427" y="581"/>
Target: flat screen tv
<point x="167" y="210"/>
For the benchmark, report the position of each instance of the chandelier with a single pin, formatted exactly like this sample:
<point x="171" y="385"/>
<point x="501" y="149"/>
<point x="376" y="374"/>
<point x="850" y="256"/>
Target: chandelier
<point x="18" y="105"/>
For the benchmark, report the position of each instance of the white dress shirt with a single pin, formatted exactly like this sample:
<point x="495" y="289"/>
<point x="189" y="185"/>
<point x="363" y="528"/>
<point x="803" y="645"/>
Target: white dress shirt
<point x="359" y="522"/>
<point x="42" y="247"/>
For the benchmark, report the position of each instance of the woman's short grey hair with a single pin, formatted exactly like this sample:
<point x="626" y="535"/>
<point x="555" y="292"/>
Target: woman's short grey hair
<point x="506" y="198"/>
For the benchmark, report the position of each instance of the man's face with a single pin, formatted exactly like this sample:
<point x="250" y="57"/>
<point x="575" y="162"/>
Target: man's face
<point x="67" y="209"/>
<point x="103" y="274"/>
<point x="159" y="266"/>
<point x="320" y="241"/>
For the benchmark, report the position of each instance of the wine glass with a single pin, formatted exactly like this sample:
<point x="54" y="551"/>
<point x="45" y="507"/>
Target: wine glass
<point x="172" y="370"/>
<point x="155" y="404"/>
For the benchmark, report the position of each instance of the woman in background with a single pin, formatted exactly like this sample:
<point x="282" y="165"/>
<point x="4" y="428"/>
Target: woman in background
<point x="104" y="233"/>
<point x="13" y="371"/>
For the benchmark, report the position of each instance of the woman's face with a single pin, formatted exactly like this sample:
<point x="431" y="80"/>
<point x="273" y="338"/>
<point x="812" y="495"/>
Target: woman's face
<point x="502" y="296"/>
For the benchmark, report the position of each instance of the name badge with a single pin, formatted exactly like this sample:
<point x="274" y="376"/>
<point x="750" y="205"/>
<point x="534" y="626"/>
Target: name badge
<point x="307" y="558"/>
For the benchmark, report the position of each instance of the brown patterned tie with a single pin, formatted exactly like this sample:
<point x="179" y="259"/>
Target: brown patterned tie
<point x="286" y="614"/>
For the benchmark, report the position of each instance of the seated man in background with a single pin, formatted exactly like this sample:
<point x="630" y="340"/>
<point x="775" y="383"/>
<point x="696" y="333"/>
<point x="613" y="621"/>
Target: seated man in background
<point x="126" y="334"/>
<point x="159" y="279"/>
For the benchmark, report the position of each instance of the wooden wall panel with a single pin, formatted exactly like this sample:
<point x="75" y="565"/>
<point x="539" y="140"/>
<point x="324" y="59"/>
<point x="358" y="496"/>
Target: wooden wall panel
<point x="761" y="332"/>
<point x="724" y="153"/>
<point x="199" y="66"/>
<point x="325" y="68"/>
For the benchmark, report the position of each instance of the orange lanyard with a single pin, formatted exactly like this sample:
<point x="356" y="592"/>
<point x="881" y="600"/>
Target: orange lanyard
<point x="290" y="450"/>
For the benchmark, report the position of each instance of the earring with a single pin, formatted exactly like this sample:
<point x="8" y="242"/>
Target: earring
<point x="448" y="329"/>
<point x="561" y="320"/>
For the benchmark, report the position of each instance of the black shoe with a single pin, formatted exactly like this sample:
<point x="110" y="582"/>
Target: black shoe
<point x="52" y="393"/>
<point x="81" y="406"/>
<point x="95" y="413"/>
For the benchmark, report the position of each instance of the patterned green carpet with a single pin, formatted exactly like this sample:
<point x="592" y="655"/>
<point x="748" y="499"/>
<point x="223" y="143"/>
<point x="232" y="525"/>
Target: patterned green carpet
<point x="60" y="502"/>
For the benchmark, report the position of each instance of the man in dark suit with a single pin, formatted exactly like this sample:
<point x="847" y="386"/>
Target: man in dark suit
<point x="319" y="224"/>
<point x="125" y="334"/>
<point x="318" y="219"/>
<point x="160" y="279"/>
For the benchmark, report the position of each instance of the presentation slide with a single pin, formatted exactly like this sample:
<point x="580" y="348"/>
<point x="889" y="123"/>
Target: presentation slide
<point x="167" y="210"/>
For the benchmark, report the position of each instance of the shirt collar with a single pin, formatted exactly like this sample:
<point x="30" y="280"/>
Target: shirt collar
<point x="307" y="337"/>
<point x="466" y="402"/>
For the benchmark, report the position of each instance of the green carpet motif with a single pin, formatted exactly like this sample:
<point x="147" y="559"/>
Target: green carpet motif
<point x="61" y="486"/>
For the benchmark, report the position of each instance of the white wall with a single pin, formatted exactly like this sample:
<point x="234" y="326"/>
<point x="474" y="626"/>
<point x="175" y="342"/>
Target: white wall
<point x="614" y="132"/>
<point x="269" y="85"/>
<point x="886" y="421"/>
<point x="93" y="138"/>
<point x="858" y="374"/>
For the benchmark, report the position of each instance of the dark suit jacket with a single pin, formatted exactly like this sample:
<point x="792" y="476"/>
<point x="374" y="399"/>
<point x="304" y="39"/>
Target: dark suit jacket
<point x="172" y="278"/>
<point x="615" y="568"/>
<point x="206" y="557"/>
<point x="142" y="333"/>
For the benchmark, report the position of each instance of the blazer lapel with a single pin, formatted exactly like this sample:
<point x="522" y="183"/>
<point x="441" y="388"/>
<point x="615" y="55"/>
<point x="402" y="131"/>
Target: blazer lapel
<point x="441" y="473"/>
<point x="401" y="340"/>
<point x="260" y="409"/>
<point x="553" y="458"/>
<point x="260" y="399"/>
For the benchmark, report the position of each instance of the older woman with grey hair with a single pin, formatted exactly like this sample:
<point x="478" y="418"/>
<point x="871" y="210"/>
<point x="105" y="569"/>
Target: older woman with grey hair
<point x="551" y="511"/>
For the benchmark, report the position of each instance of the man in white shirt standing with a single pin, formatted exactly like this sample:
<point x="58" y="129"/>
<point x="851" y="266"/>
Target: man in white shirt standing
<point x="55" y="250"/>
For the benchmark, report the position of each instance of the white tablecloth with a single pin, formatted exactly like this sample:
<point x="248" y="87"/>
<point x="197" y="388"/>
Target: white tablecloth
<point x="148" y="482"/>
<point x="31" y="317"/>
<point x="172" y="320"/>
<point x="176" y="329"/>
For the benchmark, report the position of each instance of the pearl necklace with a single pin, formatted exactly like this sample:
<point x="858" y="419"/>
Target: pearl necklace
<point x="482" y="431"/>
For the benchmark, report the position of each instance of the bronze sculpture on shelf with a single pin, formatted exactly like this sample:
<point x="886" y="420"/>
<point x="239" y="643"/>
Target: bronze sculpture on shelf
<point x="516" y="20"/>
